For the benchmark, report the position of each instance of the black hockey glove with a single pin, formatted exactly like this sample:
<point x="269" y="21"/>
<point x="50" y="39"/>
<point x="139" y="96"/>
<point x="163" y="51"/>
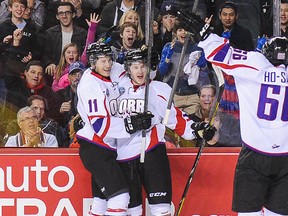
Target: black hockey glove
<point x="141" y="121"/>
<point x="78" y="123"/>
<point x="194" y="24"/>
<point x="209" y="133"/>
<point x="203" y="130"/>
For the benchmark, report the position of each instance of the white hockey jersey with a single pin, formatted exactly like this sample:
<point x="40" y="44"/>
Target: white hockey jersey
<point x="263" y="94"/>
<point x="94" y="95"/>
<point x="132" y="100"/>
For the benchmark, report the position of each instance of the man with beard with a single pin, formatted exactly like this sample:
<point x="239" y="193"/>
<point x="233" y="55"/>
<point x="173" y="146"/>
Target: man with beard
<point x="67" y="99"/>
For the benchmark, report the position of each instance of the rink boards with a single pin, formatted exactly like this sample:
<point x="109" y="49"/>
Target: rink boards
<point x="54" y="181"/>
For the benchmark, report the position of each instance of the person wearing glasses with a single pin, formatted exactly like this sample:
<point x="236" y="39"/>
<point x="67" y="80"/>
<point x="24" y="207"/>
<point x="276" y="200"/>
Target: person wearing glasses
<point x="30" y="134"/>
<point x="57" y="37"/>
<point x="48" y="125"/>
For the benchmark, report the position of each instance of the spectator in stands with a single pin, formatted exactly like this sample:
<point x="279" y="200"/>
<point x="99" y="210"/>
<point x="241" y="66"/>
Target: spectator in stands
<point x="30" y="134"/>
<point x="57" y="37"/>
<point x="113" y="11"/>
<point x="47" y="125"/>
<point x="167" y="19"/>
<point x="83" y="9"/>
<point x="186" y="93"/>
<point x="17" y="42"/>
<point x="284" y="18"/>
<point x="188" y="5"/>
<point x="248" y="16"/>
<point x="35" y="12"/>
<point x="133" y="17"/>
<point x="239" y="36"/>
<point x="69" y="55"/>
<point x="21" y="87"/>
<point x="66" y="105"/>
<point x="207" y="97"/>
<point x="128" y="40"/>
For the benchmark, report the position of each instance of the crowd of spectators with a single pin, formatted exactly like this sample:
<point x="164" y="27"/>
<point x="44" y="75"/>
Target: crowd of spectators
<point x="43" y="52"/>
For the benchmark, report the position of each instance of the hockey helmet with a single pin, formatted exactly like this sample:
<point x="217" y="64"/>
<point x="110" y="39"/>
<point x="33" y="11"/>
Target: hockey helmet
<point x="95" y="50"/>
<point x="276" y="50"/>
<point x="135" y="56"/>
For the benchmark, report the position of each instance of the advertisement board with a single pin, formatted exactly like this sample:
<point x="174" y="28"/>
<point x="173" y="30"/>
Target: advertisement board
<point x="54" y="182"/>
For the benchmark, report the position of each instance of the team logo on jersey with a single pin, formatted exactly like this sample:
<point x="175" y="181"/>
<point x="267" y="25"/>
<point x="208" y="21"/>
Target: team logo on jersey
<point x="107" y="92"/>
<point x="121" y="90"/>
<point x="275" y="146"/>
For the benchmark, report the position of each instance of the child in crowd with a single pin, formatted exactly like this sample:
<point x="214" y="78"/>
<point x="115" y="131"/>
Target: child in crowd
<point x="69" y="55"/>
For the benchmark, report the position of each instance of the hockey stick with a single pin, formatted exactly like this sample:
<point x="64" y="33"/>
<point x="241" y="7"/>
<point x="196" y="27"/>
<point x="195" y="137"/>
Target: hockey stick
<point x="180" y="68"/>
<point x="149" y="14"/>
<point x="213" y="113"/>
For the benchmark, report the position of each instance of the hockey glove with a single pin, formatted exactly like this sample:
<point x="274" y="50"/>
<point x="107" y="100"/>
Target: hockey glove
<point x="209" y="133"/>
<point x="167" y="52"/>
<point x="203" y="130"/>
<point x="260" y="42"/>
<point x="195" y="25"/>
<point x="226" y="34"/>
<point x="141" y="121"/>
<point x="202" y="62"/>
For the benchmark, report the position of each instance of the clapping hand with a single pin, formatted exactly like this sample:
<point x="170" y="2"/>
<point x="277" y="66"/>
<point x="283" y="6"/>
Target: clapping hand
<point x="33" y="137"/>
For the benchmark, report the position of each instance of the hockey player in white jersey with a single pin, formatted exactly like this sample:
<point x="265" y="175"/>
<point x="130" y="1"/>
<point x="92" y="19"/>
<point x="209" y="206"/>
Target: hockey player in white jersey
<point x="261" y="176"/>
<point x="154" y="173"/>
<point x="97" y="137"/>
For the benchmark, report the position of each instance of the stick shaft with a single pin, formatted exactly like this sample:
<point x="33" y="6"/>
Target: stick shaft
<point x="212" y="115"/>
<point x="149" y="14"/>
<point x="183" y="52"/>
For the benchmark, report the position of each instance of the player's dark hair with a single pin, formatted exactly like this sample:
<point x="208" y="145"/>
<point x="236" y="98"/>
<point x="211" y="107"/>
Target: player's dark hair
<point x="134" y="56"/>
